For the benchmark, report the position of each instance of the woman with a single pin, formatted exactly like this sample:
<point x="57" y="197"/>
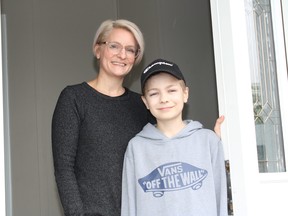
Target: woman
<point x="93" y="123"/>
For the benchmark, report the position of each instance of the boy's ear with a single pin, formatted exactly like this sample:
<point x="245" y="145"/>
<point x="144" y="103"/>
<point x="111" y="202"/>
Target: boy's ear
<point x="145" y="101"/>
<point x="186" y="94"/>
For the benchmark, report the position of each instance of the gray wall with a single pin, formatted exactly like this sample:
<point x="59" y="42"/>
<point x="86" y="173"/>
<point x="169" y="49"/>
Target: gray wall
<point x="49" y="47"/>
<point x="180" y="31"/>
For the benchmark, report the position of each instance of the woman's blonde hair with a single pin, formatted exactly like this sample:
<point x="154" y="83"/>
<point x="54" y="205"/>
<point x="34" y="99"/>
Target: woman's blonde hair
<point x="108" y="25"/>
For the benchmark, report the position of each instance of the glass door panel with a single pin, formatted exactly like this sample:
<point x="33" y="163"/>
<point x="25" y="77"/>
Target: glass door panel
<point x="267" y="112"/>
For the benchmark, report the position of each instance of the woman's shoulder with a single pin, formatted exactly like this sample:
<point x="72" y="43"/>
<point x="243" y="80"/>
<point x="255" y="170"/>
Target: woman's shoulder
<point x="72" y="93"/>
<point x="76" y="89"/>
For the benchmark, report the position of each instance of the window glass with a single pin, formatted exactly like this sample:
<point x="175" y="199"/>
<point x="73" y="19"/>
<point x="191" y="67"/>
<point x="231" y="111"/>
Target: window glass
<point x="267" y="112"/>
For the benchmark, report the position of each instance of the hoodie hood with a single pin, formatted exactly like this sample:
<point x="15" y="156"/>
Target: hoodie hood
<point x="150" y="132"/>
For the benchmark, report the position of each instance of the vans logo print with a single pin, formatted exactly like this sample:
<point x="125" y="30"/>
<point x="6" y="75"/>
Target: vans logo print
<point x="173" y="177"/>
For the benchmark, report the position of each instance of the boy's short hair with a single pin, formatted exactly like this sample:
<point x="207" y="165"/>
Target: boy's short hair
<point x="160" y="65"/>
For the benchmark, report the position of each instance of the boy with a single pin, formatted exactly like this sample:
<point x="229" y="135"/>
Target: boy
<point x="173" y="168"/>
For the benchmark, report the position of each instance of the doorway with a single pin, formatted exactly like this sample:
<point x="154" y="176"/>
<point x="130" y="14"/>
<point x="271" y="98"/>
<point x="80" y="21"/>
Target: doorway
<point x="49" y="46"/>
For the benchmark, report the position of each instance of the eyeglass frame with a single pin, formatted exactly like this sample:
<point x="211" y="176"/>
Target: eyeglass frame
<point x="137" y="52"/>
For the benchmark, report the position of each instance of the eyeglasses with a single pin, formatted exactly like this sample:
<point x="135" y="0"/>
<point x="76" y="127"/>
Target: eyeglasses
<point x="115" y="48"/>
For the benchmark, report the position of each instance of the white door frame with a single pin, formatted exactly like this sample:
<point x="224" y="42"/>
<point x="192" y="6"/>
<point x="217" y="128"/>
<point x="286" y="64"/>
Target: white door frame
<point x="2" y="163"/>
<point x="233" y="86"/>
<point x="252" y="193"/>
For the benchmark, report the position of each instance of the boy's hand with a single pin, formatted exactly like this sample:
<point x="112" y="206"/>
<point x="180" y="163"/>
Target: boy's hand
<point x="217" y="127"/>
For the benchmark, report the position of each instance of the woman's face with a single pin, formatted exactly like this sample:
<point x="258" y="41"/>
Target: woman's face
<point x="115" y="55"/>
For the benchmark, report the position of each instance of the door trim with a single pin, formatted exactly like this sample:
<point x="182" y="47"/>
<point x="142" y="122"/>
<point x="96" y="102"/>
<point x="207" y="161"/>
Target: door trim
<point x="234" y="87"/>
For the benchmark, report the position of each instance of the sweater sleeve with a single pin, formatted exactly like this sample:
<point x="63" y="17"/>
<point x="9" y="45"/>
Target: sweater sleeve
<point x="218" y="163"/>
<point x="65" y="132"/>
<point x="128" y="201"/>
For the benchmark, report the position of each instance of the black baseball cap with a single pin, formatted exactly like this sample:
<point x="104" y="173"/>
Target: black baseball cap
<point x="161" y="65"/>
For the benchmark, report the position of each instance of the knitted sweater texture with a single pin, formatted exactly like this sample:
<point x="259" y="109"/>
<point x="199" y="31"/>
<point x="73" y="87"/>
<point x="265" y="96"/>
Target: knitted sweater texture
<point x="90" y="133"/>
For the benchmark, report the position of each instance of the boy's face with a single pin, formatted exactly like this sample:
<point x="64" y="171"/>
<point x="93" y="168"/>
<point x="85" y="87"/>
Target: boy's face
<point x="165" y="96"/>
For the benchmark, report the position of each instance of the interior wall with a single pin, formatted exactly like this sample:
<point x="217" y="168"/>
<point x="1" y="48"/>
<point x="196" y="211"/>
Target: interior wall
<point x="49" y="47"/>
<point x="180" y="31"/>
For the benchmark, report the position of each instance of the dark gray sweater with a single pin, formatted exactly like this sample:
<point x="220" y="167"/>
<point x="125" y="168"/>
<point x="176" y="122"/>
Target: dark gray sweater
<point x="90" y="133"/>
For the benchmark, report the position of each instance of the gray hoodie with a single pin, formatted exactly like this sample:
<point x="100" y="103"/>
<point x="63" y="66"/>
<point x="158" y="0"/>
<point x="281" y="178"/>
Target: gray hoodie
<point x="179" y="176"/>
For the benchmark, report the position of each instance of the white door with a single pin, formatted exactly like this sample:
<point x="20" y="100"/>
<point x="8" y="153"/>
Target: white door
<point x="252" y="85"/>
<point x="2" y="166"/>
